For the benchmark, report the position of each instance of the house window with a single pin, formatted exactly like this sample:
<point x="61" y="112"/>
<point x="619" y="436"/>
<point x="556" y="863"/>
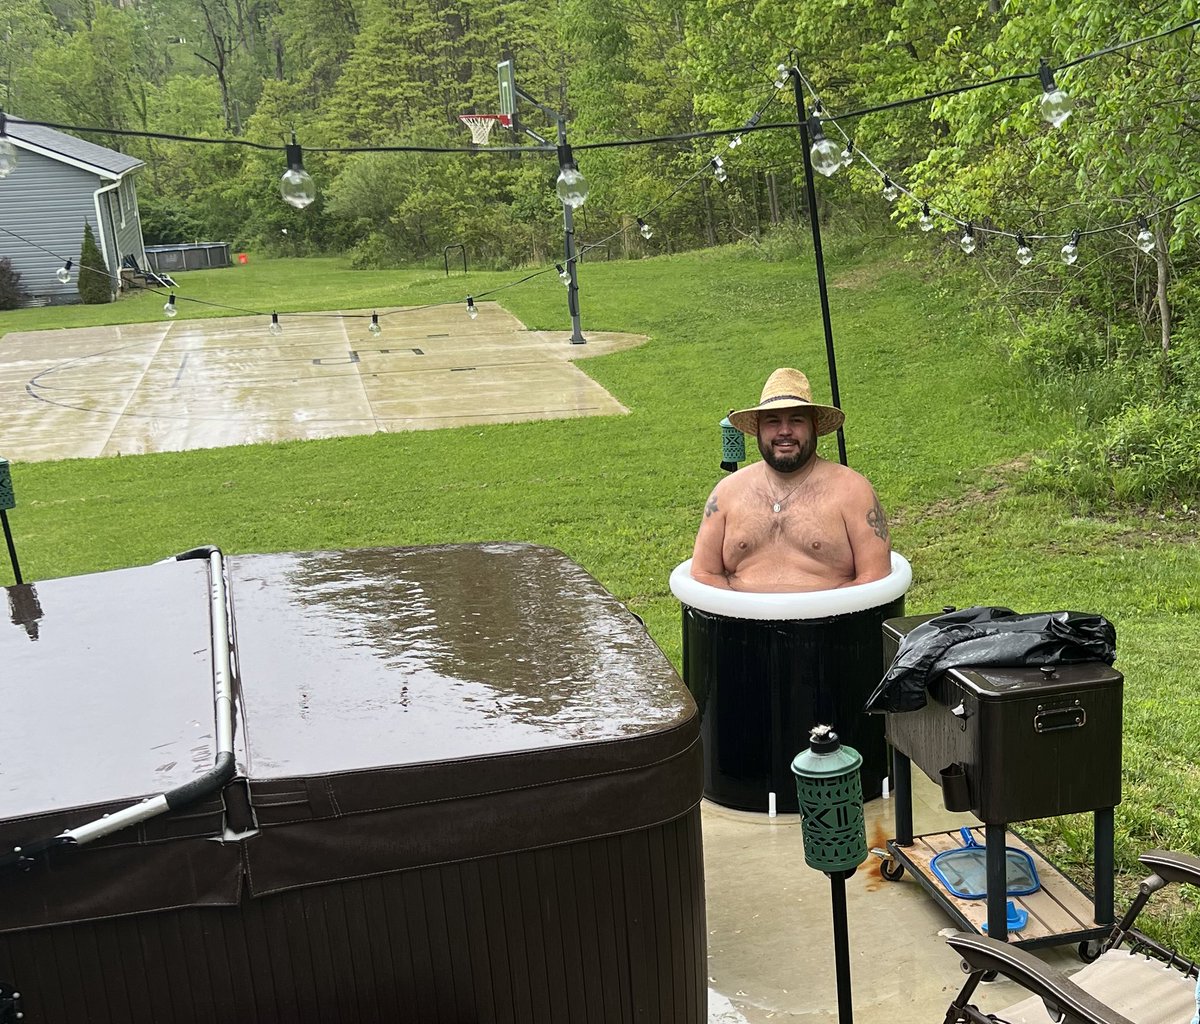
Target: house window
<point x="120" y="201"/>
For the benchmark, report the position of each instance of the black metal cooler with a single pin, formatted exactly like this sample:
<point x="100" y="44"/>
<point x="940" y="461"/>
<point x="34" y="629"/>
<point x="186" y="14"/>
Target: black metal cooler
<point x="1013" y="744"/>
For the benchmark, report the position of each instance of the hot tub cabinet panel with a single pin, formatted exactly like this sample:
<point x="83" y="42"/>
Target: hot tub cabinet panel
<point x="467" y="789"/>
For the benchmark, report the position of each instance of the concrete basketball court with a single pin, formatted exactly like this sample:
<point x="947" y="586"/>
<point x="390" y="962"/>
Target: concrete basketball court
<point x="175" y="385"/>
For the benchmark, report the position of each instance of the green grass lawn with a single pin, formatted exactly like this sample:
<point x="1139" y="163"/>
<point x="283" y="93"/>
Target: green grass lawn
<point x="936" y="419"/>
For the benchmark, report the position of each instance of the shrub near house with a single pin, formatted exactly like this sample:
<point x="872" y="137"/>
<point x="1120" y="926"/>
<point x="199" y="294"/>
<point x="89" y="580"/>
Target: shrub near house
<point x="95" y="285"/>
<point x="11" y="292"/>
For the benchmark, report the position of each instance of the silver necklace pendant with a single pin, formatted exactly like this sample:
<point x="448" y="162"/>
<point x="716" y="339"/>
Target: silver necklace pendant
<point x="775" y="507"/>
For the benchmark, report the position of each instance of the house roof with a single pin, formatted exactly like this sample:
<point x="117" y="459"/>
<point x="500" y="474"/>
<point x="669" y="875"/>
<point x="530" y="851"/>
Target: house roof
<point x="68" y="149"/>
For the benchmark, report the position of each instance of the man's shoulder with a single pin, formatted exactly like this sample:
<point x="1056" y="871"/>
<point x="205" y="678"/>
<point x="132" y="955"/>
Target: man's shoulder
<point x="735" y="482"/>
<point x="845" y="478"/>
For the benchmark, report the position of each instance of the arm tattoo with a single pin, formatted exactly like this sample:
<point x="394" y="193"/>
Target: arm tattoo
<point x="711" y="507"/>
<point x="877" y="521"/>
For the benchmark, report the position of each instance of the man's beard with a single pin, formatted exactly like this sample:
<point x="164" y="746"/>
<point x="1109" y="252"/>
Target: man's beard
<point x="805" y="450"/>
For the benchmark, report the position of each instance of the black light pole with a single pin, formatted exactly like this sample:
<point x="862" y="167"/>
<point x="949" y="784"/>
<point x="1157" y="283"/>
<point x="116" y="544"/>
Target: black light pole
<point x="565" y="160"/>
<point x="811" y="190"/>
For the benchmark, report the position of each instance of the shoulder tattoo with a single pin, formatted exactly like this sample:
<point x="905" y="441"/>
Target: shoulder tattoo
<point x="877" y="520"/>
<point x="711" y="507"/>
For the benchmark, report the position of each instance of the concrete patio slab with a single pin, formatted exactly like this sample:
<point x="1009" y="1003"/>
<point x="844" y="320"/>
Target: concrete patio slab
<point x="178" y="385"/>
<point x="770" y="930"/>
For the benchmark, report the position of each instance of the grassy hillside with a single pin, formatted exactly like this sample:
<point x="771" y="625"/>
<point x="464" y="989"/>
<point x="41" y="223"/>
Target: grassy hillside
<point x="936" y="419"/>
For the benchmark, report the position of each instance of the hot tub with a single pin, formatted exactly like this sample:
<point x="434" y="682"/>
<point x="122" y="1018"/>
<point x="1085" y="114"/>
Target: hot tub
<point x="765" y="668"/>
<point x="465" y="787"/>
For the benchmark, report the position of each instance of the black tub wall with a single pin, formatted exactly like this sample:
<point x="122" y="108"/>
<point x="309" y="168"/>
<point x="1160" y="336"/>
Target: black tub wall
<point x="761" y="685"/>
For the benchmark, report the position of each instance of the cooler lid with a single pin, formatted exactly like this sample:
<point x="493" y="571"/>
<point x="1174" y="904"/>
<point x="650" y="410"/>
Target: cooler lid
<point x="993" y="683"/>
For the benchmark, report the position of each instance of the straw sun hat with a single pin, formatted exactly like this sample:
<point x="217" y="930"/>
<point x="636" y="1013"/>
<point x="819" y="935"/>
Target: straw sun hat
<point x="787" y="389"/>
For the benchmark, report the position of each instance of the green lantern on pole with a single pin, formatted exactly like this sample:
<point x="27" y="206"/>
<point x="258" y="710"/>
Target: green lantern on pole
<point x="8" y="498"/>
<point x="733" y="446"/>
<point x="829" y="789"/>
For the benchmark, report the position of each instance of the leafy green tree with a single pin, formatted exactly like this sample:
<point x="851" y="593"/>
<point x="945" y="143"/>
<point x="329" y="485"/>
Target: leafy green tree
<point x="95" y="284"/>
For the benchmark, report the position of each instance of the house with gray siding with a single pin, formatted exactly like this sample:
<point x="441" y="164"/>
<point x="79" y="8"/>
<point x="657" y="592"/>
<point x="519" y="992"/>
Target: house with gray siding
<point x="60" y="182"/>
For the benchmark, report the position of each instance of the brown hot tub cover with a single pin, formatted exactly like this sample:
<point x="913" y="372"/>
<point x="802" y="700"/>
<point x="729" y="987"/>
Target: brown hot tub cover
<point x="466" y="788"/>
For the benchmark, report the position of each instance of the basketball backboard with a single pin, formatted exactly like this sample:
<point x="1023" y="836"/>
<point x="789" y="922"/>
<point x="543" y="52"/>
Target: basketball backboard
<point x="508" y="89"/>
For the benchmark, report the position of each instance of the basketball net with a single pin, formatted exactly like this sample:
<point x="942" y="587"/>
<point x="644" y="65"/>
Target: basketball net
<point x="481" y="125"/>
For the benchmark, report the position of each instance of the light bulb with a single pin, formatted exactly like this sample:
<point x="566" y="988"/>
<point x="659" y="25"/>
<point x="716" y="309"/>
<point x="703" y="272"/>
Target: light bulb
<point x="1055" y="104"/>
<point x="169" y="307"/>
<point x="564" y="275"/>
<point x="572" y="187"/>
<point x="968" y="240"/>
<point x="472" y="312"/>
<point x="890" y="189"/>
<point x="782" y="74"/>
<point x="63" y="273"/>
<point x="1056" y="107"/>
<point x="718" y="166"/>
<point x="375" y="329"/>
<point x="1145" y="238"/>
<point x="1024" y="253"/>
<point x="926" y="218"/>
<point x="646" y="230"/>
<point x="275" y="329"/>
<point x="296" y="186"/>
<point x="8" y="157"/>
<point x="1070" y="251"/>
<point x="826" y="157"/>
<point x="848" y="154"/>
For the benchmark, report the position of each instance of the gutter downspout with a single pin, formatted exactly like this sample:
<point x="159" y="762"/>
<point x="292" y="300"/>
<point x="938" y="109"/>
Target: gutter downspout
<point x="113" y="279"/>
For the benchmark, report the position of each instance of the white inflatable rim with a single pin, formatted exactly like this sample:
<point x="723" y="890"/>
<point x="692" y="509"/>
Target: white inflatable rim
<point x="815" y="604"/>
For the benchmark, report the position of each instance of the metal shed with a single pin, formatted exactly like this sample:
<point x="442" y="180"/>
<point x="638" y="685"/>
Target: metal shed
<point x="59" y="183"/>
<point x="466" y="788"/>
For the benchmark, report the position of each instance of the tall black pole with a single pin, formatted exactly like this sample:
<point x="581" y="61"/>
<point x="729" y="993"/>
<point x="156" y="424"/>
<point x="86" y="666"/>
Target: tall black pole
<point x="841" y="946"/>
<point x="12" y="551"/>
<point x="810" y="188"/>
<point x="577" y="337"/>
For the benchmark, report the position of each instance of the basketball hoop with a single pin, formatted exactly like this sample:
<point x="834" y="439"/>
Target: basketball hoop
<point x="481" y="125"/>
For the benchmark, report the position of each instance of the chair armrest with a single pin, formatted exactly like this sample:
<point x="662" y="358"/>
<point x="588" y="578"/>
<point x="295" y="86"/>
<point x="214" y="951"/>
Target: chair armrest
<point x="1173" y="867"/>
<point x="1054" y="988"/>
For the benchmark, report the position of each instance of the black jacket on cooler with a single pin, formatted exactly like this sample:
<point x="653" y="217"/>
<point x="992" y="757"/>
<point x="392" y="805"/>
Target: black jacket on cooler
<point x="989" y="636"/>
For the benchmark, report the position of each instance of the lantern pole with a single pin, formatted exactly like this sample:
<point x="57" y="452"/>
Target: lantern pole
<point x="8" y="500"/>
<point x="841" y="944"/>
<point x="12" y="551"/>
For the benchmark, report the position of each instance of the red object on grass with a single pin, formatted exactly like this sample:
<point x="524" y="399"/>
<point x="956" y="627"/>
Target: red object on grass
<point x="243" y="258"/>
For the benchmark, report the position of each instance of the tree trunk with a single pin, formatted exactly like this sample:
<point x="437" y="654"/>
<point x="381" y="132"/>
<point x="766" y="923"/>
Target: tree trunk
<point x="773" y="197"/>
<point x="709" y="230"/>
<point x="1164" y="277"/>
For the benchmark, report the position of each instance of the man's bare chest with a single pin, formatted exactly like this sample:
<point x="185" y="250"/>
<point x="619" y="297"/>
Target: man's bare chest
<point x="800" y="531"/>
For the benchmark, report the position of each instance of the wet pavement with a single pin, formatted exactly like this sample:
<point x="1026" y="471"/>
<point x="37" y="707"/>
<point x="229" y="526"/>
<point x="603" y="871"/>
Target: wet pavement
<point x="770" y="931"/>
<point x="184" y="384"/>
